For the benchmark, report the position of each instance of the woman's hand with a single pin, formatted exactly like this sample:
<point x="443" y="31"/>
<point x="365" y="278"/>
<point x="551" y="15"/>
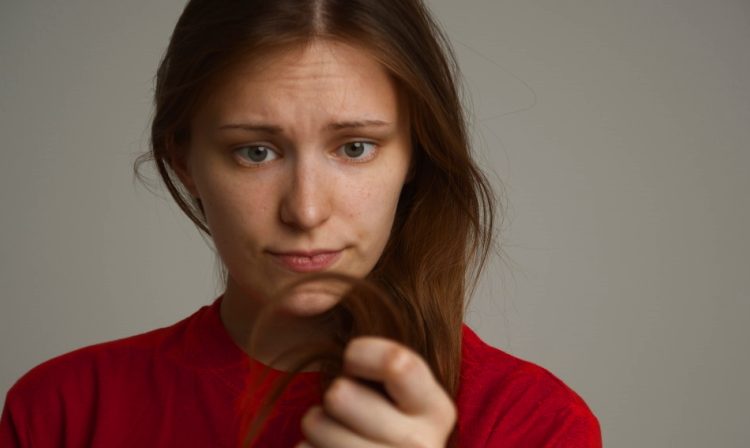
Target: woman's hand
<point x="353" y="415"/>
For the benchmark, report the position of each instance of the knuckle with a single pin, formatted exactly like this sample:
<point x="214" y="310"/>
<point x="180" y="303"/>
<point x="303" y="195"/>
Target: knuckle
<point x="400" y="360"/>
<point x="446" y="413"/>
<point x="308" y="421"/>
<point x="335" y="394"/>
<point x="451" y="414"/>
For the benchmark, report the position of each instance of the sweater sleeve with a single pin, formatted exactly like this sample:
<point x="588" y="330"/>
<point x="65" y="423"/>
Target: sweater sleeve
<point x="577" y="429"/>
<point x="30" y="417"/>
<point x="46" y="406"/>
<point x="505" y="401"/>
<point x="544" y="413"/>
<point x="14" y="431"/>
<point x="9" y="432"/>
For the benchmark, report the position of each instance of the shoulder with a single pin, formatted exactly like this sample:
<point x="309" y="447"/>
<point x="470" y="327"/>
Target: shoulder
<point x="79" y="369"/>
<point x="68" y="387"/>
<point x="109" y="357"/>
<point x="516" y="402"/>
<point x="77" y="364"/>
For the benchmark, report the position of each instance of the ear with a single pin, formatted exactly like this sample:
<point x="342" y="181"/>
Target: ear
<point x="179" y="162"/>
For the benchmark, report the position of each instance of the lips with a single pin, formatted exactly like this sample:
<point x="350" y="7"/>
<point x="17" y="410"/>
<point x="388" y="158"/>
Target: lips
<point x="306" y="261"/>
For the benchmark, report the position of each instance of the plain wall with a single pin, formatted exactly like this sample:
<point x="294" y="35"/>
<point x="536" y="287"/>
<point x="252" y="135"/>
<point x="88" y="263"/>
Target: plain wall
<point x="620" y="131"/>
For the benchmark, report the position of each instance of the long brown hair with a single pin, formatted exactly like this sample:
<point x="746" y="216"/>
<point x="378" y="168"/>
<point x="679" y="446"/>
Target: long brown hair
<point x="443" y="229"/>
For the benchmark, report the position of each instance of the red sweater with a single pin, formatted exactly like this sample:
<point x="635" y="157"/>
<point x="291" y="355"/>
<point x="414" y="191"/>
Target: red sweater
<point x="182" y="386"/>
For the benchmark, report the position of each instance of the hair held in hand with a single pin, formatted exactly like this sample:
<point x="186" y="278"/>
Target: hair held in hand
<point x="363" y="309"/>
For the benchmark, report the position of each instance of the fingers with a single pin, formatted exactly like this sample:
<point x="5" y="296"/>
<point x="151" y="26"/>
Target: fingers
<point x="356" y="416"/>
<point x="406" y="376"/>
<point x="320" y="430"/>
<point x="365" y="411"/>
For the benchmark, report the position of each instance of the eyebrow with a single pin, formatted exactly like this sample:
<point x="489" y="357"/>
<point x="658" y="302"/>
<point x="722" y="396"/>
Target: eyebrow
<point x="339" y="125"/>
<point x="335" y="126"/>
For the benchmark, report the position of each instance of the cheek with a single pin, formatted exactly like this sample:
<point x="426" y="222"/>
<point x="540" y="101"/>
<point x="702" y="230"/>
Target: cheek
<point x="370" y="208"/>
<point x="235" y="212"/>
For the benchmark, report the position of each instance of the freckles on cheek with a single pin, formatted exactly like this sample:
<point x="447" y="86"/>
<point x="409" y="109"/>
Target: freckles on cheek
<point x="371" y="201"/>
<point x="378" y="207"/>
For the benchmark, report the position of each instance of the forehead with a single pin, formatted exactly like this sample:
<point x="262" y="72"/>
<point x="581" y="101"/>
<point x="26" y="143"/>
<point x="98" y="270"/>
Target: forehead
<point x="321" y="77"/>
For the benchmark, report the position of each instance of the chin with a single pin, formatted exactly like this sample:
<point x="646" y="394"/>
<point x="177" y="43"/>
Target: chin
<point x="309" y="302"/>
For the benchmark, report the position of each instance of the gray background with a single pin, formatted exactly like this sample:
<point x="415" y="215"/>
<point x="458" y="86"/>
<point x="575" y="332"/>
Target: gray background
<point x="620" y="130"/>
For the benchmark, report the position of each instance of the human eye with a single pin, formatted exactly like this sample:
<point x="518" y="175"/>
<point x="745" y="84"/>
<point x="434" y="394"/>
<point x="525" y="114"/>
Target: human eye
<point x="358" y="151"/>
<point x="255" y="154"/>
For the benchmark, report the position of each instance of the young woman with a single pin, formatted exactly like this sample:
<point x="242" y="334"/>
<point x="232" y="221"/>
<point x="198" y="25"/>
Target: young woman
<point x="311" y="136"/>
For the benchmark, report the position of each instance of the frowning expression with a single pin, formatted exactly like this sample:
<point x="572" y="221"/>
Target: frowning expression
<point x="299" y="160"/>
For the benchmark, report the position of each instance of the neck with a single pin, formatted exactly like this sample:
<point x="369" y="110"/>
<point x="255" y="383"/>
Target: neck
<point x="266" y="334"/>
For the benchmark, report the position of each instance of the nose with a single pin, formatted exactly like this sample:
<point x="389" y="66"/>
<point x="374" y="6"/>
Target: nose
<point x="306" y="202"/>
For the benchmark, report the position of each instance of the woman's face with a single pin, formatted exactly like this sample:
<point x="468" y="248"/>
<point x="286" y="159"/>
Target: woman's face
<point x="299" y="160"/>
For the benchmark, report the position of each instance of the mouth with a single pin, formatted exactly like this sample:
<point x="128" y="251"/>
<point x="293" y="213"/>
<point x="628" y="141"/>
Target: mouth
<point x="312" y="261"/>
